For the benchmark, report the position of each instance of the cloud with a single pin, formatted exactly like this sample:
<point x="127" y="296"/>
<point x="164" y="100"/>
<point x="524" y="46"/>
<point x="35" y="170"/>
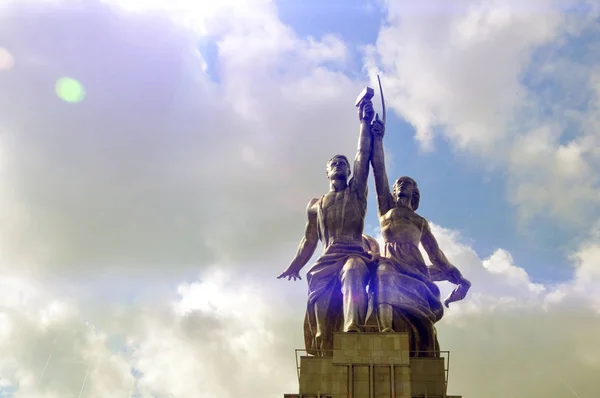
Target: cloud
<point x="527" y="344"/>
<point x="47" y="348"/>
<point x="163" y="165"/>
<point x="531" y="339"/>
<point x="162" y="171"/>
<point x="225" y="333"/>
<point x="512" y="84"/>
<point x="219" y="335"/>
<point x="227" y="338"/>
<point x="165" y="168"/>
<point x="585" y="286"/>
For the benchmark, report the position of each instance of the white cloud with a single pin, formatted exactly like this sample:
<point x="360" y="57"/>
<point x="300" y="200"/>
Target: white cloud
<point x="502" y="82"/>
<point x="159" y="170"/>
<point x="501" y="263"/>
<point x="586" y="281"/>
<point x="47" y="347"/>
<point x="221" y="336"/>
<point x="226" y="337"/>
<point x="229" y="333"/>
<point x="534" y="338"/>
<point x="146" y="172"/>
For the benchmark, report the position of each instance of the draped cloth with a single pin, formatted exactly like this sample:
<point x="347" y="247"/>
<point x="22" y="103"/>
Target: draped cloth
<point x="326" y="275"/>
<point x="324" y="284"/>
<point x="402" y="280"/>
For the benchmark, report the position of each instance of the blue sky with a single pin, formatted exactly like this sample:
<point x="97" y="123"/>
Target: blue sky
<point x="356" y="21"/>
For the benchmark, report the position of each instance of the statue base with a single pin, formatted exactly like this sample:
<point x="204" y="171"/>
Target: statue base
<point x="372" y="365"/>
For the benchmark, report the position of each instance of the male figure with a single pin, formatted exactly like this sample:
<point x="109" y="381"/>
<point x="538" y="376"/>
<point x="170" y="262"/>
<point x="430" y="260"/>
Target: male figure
<point x="405" y="297"/>
<point x="337" y="298"/>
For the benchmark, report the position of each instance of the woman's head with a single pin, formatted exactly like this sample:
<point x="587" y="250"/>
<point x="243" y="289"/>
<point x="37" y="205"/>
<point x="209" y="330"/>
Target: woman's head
<point x="407" y="188"/>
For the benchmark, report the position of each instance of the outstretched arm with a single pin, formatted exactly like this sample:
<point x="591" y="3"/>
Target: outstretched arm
<point x="307" y="247"/>
<point x="384" y="198"/>
<point x="441" y="264"/>
<point x="442" y="270"/>
<point x="361" y="161"/>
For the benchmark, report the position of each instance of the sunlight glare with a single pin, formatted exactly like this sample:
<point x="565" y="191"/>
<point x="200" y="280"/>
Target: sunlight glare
<point x="6" y="59"/>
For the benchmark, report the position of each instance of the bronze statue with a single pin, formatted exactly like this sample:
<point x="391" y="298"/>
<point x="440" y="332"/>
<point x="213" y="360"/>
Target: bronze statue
<point x="337" y="298"/>
<point x="405" y="297"/>
<point x="402" y="295"/>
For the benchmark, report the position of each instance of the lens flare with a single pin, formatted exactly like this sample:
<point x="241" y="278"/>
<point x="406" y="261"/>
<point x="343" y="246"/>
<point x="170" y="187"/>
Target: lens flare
<point x="6" y="59"/>
<point x="69" y="90"/>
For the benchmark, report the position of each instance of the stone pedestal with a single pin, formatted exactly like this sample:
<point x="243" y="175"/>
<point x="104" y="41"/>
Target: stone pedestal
<point x="371" y="365"/>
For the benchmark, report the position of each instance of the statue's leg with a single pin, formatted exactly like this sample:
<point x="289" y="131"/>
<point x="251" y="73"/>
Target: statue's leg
<point x="324" y="334"/>
<point x="353" y="279"/>
<point x="385" y="316"/>
<point x="384" y="287"/>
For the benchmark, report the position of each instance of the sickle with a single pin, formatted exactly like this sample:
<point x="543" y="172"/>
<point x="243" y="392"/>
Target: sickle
<point x="382" y="100"/>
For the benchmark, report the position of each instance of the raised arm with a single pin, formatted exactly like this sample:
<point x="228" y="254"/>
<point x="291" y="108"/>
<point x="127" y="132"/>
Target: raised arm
<point x="361" y="161"/>
<point x="307" y="247"/>
<point x="382" y="187"/>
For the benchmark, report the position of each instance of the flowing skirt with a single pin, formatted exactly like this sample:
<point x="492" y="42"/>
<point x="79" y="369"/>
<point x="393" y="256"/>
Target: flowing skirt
<point x="402" y="280"/>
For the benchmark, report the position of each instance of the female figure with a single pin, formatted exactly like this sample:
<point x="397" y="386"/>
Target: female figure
<point x="405" y="298"/>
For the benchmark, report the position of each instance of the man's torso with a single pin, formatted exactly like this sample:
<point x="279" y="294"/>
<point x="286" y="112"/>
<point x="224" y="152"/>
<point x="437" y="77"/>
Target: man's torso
<point x="341" y="215"/>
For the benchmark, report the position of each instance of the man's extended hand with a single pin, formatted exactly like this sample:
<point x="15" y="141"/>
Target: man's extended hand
<point x="289" y="274"/>
<point x="377" y="128"/>
<point x="365" y="111"/>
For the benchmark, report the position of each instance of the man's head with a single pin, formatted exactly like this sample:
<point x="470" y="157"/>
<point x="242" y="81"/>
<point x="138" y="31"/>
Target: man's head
<point x="338" y="168"/>
<point x="407" y="188"/>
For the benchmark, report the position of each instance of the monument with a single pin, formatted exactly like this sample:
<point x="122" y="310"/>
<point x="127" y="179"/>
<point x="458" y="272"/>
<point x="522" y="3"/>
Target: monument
<point x="370" y="318"/>
<point x="337" y="298"/>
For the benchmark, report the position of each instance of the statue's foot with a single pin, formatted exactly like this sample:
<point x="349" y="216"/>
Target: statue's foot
<point x="353" y="329"/>
<point x="387" y="330"/>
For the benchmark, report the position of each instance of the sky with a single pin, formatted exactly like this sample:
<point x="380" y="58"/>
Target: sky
<point x="157" y="156"/>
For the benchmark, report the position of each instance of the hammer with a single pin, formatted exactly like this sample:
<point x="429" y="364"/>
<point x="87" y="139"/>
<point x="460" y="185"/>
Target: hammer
<point x="367" y="94"/>
<point x="364" y="95"/>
